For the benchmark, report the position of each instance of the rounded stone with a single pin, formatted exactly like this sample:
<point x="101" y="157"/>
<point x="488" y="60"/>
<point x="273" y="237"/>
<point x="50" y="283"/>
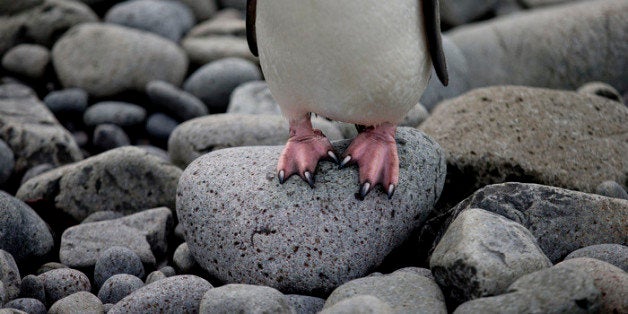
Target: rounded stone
<point x="304" y="304"/>
<point x="155" y="276"/>
<point x="183" y="259"/>
<point x="241" y="298"/>
<point x="50" y="266"/>
<point x="106" y="59"/>
<point x="8" y="7"/>
<point x="102" y="216"/>
<point x="35" y="171"/>
<point x="109" y="136"/>
<point x="28" y="305"/>
<point x="206" y="49"/>
<point x="202" y="9"/>
<point x="71" y="100"/>
<point x="614" y="254"/>
<point x="611" y="189"/>
<point x="360" y="304"/>
<point x="213" y="83"/>
<point x="160" y="126"/>
<point x="32" y="287"/>
<point x="80" y="302"/>
<point x="9" y="276"/>
<point x="253" y="98"/>
<point x="60" y="283"/>
<point x="600" y="89"/>
<point x="168" y="271"/>
<point x="236" y="4"/>
<point x="27" y="60"/>
<point x="117" y="260"/>
<point x="119" y="286"/>
<point x="114" y="112"/>
<point x="7" y="162"/>
<point x="175" y="101"/>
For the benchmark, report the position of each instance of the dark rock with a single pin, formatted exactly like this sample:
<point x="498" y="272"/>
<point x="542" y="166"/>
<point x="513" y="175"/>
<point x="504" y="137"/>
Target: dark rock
<point x="240" y="298"/>
<point x="60" y="283"/>
<point x="174" y="101"/>
<point x="67" y="101"/>
<point x="113" y="112"/>
<point x="160" y="126"/>
<point x="183" y="258"/>
<point x="119" y="286"/>
<point x="27" y="60"/>
<point x="109" y="136"/>
<point x="10" y="276"/>
<point x="102" y="216"/>
<point x="600" y="89"/>
<point x="35" y="171"/>
<point x="32" y="287"/>
<point x="168" y="271"/>
<point x="611" y="189"/>
<point x="31" y="306"/>
<point x="117" y="260"/>
<point x="80" y="302"/>
<point x="8" y="7"/>
<point x="155" y="276"/>
<point x="50" y="266"/>
<point x="7" y="162"/>
<point x="303" y="304"/>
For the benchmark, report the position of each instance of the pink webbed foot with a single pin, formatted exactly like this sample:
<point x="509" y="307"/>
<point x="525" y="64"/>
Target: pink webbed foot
<point x="375" y="152"/>
<point x="305" y="147"/>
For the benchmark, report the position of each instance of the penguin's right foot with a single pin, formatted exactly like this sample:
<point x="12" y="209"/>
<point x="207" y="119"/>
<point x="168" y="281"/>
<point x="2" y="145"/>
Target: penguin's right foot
<point x="305" y="147"/>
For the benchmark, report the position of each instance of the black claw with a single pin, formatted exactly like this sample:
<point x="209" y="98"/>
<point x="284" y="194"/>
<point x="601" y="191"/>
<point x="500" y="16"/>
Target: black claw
<point x="281" y="176"/>
<point x="391" y="191"/>
<point x="309" y="178"/>
<point x="365" y="189"/>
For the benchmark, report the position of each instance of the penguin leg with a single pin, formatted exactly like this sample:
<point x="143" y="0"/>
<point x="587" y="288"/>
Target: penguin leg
<point x="305" y="147"/>
<point x="374" y="150"/>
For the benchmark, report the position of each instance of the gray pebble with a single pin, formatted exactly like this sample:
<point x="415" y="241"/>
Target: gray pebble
<point x="179" y="232"/>
<point x="109" y="136"/>
<point x="50" y="266"/>
<point x="119" y="286"/>
<point x="213" y="83"/>
<point x="9" y="275"/>
<point x="155" y="151"/>
<point x="611" y="189"/>
<point x="168" y="271"/>
<point x="304" y="304"/>
<point x="107" y="307"/>
<point x="114" y="112"/>
<point x="155" y="276"/>
<point x="102" y="216"/>
<point x="183" y="259"/>
<point x="415" y="116"/>
<point x="211" y="48"/>
<point x="175" y="101"/>
<point x="7" y="162"/>
<point x="202" y="9"/>
<point x="614" y="254"/>
<point x="27" y="60"/>
<point x="28" y="305"/>
<point x="117" y="260"/>
<point x="225" y="22"/>
<point x="32" y="287"/>
<point x="253" y="98"/>
<point x="60" y="283"/>
<point x="80" y="302"/>
<point x="71" y="100"/>
<point x="241" y="298"/>
<point x="35" y="171"/>
<point x="360" y="304"/>
<point x="160" y="126"/>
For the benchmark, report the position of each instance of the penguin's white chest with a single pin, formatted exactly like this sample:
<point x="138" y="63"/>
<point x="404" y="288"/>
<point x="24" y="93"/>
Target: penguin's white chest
<point x="363" y="62"/>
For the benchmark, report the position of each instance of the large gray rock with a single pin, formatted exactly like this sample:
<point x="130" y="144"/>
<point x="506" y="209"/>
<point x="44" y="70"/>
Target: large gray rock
<point x="482" y="253"/>
<point x="405" y="291"/>
<point x="562" y="221"/>
<point x="60" y="283"/>
<point x="10" y="276"/>
<point x="32" y="131"/>
<point x="22" y="232"/>
<point x="294" y="238"/>
<point x="199" y="136"/>
<point x="177" y="294"/>
<point x="145" y="233"/>
<point x="239" y="298"/>
<point x="106" y="59"/>
<point x="126" y="179"/>
<point x="614" y="254"/>
<point x="509" y="133"/>
<point x="80" y="302"/>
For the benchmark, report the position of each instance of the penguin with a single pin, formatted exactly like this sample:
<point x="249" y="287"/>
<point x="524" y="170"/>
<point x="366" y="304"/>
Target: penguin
<point x="365" y="62"/>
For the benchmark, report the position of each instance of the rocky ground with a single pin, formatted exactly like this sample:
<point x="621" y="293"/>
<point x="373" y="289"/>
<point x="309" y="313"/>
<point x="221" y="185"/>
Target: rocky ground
<point x="138" y="144"/>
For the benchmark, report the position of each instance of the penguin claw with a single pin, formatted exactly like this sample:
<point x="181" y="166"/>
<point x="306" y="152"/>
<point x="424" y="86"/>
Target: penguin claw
<point x="282" y="176"/>
<point x="345" y="162"/>
<point x="391" y="191"/>
<point x="309" y="178"/>
<point x="365" y="189"/>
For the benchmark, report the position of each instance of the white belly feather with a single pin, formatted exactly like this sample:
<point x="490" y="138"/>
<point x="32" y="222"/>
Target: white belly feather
<point x="357" y="61"/>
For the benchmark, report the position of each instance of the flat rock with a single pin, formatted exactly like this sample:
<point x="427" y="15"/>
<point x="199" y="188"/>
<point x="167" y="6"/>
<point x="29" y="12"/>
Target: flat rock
<point x="145" y="233"/>
<point x="114" y="112"/>
<point x="27" y="60"/>
<point x="405" y="291"/>
<point x="196" y="137"/>
<point x="294" y="238"/>
<point x="206" y="49"/>
<point x="60" y="283"/>
<point x="10" y="276"/>
<point x="107" y="59"/>
<point x="32" y="131"/>
<point x="80" y="302"/>
<point x="482" y="253"/>
<point x="67" y="101"/>
<point x="174" y="101"/>
<point x="126" y="179"/>
<point x="22" y="232"/>
<point x="562" y="221"/>
<point x="614" y="254"/>
<point x="240" y="298"/>
<point x="498" y="134"/>
<point x="177" y="294"/>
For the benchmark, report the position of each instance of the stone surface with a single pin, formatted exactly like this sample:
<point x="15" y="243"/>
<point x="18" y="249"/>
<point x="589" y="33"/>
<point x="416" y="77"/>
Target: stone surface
<point x="31" y="306"/>
<point x="7" y="162"/>
<point x="405" y="291"/>
<point x="159" y="126"/>
<point x="67" y="101"/>
<point x="463" y="11"/>
<point x="32" y="287"/>
<point x="49" y="266"/>
<point x="225" y="22"/>
<point x="253" y="98"/>
<point x="611" y="189"/>
<point x="27" y="60"/>
<point x="106" y="59"/>
<point x="145" y="233"/>
<point x="32" y="132"/>
<point x="8" y="7"/>
<point x="118" y="113"/>
<point x="206" y="49"/>
<point x="175" y="294"/>
<point x="168" y="19"/>
<point x="109" y="136"/>
<point x="614" y="254"/>
<point x="202" y="9"/>
<point x="236" y="4"/>
<point x="23" y="233"/>
<point x="117" y="260"/>
<point x="155" y="276"/>
<point x="304" y="304"/>
<point x="600" y="89"/>
<point x="199" y="136"/>
<point x="35" y="171"/>
<point x="562" y="221"/>
<point x="126" y="179"/>
<point x="240" y="298"/>
<point x="175" y="102"/>
<point x="417" y="115"/>
<point x="102" y="216"/>
<point x="80" y="302"/>
<point x="168" y="271"/>
<point x="60" y="283"/>
<point x="214" y="82"/>
<point x="359" y="304"/>
<point x="183" y="259"/>
<point x="116" y="287"/>
<point x="497" y="134"/>
<point x="9" y="275"/>
<point x="482" y="253"/>
<point x="294" y="238"/>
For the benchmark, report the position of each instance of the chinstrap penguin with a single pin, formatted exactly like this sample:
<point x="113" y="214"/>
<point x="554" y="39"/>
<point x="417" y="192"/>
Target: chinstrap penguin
<point x="365" y="62"/>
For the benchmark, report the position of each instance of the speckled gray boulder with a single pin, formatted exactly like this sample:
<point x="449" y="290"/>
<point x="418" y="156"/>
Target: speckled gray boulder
<point x="289" y="236"/>
<point x="405" y="291"/>
<point x="199" y="136"/>
<point x="360" y="304"/>
<point x="125" y="179"/>
<point x="600" y="89"/>
<point x="253" y="98"/>
<point x="119" y="286"/>
<point x="214" y="82"/>
<point x="32" y="131"/>
<point x="551" y="290"/>
<point x="145" y="233"/>
<point x="10" y="276"/>
<point x="497" y="134"/>
<point x="60" y="283"/>
<point x="31" y="306"/>
<point x="80" y="302"/>
<point x="117" y="260"/>
<point x="106" y="59"/>
<point x="304" y="304"/>
<point x="22" y="232"/>
<point x="169" y="19"/>
<point x="27" y="60"/>
<point x="7" y="162"/>
<point x="177" y="294"/>
<point x="71" y="100"/>
<point x="240" y="298"/>
<point x="183" y="258"/>
<point x="176" y="102"/>
<point x="614" y="254"/>
<point x="562" y="221"/>
<point x="482" y="253"/>
<point x="611" y="189"/>
<point x="32" y="287"/>
<point x="210" y="48"/>
<point x="114" y="112"/>
<point x="109" y="136"/>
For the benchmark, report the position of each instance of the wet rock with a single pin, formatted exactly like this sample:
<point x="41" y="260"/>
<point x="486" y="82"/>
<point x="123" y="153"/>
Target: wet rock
<point x="109" y="136"/>
<point x="600" y="89"/>
<point x="116" y="287"/>
<point x="175" y="102"/>
<point x="113" y="112"/>
<point x="253" y="98"/>
<point x="10" y="276"/>
<point x="67" y="101"/>
<point x="117" y="260"/>
<point x="7" y="162"/>
<point x="611" y="189"/>
<point x="614" y="254"/>
<point x="80" y="302"/>
<point x="240" y="298"/>
<point x="27" y="60"/>
<point x="303" y="304"/>
<point x="60" y="283"/>
<point x="262" y="238"/>
<point x="31" y="306"/>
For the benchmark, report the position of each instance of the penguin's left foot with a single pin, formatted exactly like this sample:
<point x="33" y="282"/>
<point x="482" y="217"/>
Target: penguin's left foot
<point x="305" y="147"/>
<point x="374" y="150"/>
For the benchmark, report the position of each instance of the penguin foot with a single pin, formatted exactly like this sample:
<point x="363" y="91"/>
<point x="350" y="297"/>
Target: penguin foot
<point x="305" y="147"/>
<point x="375" y="152"/>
